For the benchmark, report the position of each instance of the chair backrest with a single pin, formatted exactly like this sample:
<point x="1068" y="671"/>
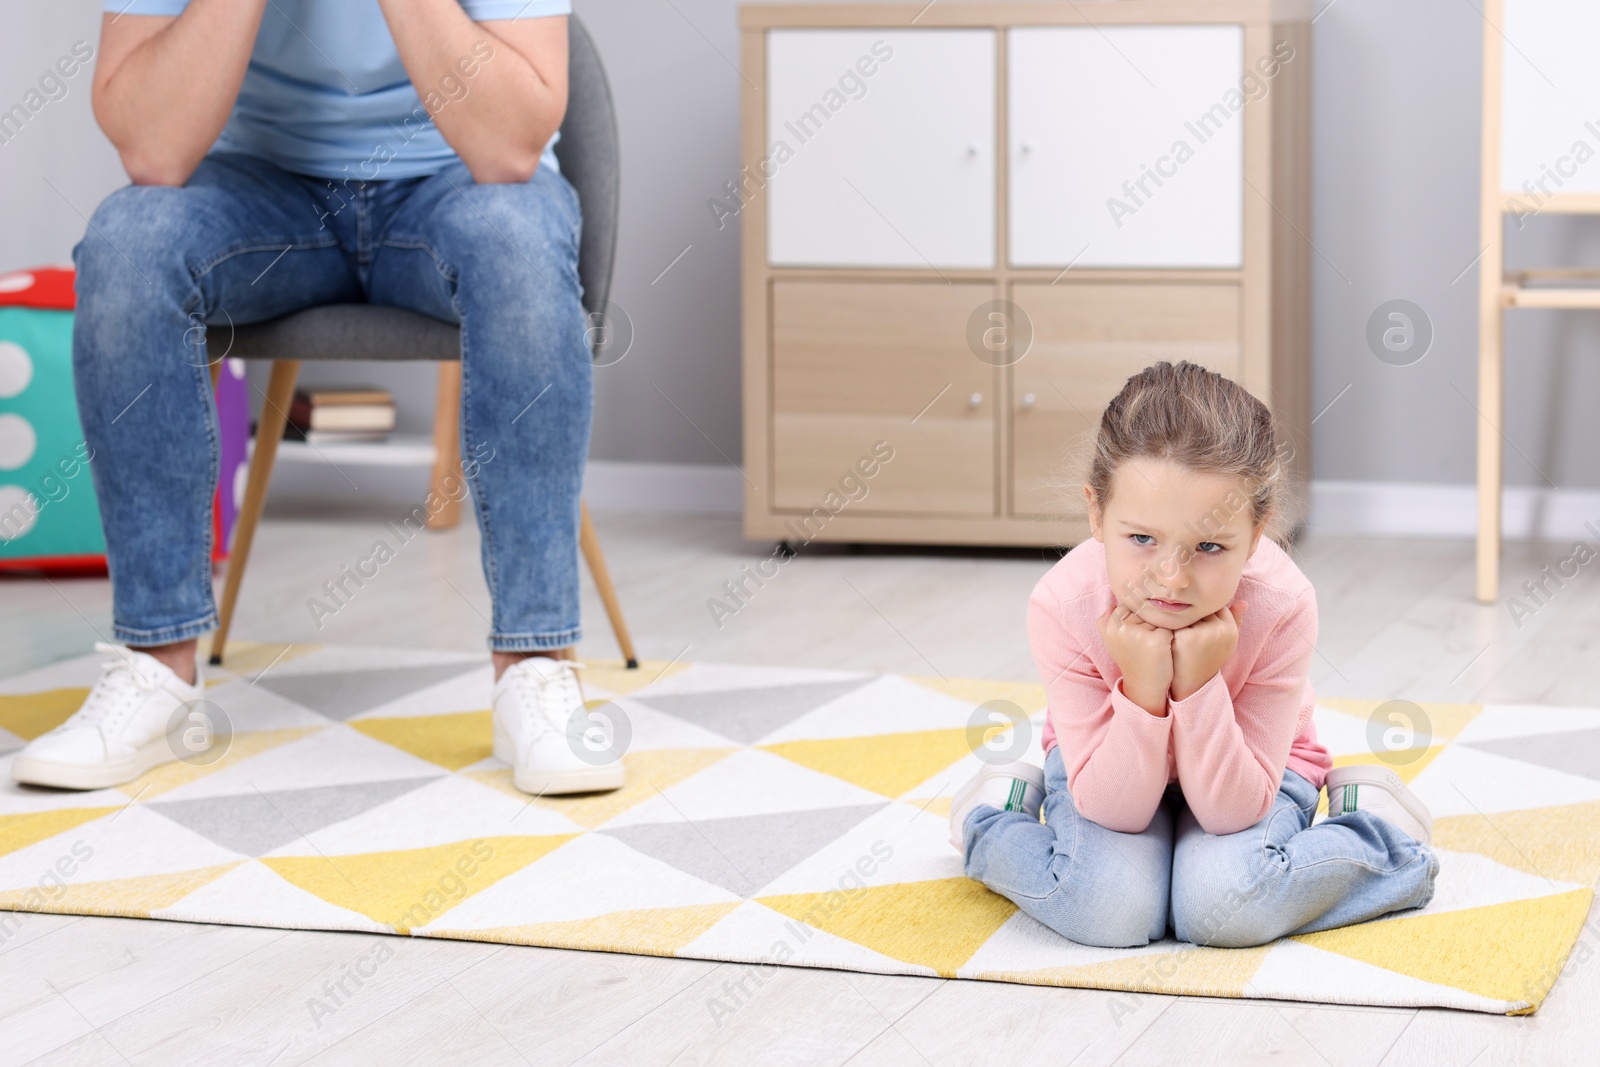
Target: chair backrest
<point x="590" y="159"/>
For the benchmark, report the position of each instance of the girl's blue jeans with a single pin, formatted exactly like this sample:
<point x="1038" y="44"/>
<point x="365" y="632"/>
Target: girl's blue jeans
<point x="165" y="272"/>
<point x="1281" y="876"/>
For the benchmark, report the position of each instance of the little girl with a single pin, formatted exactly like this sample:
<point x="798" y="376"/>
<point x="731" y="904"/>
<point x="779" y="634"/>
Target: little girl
<point x="1182" y="769"/>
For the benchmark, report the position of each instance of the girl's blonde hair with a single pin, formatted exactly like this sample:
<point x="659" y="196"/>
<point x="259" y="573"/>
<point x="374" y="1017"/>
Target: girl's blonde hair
<point x="1201" y="420"/>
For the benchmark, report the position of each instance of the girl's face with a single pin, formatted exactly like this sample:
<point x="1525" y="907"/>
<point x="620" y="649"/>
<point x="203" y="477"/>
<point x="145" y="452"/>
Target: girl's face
<point x="1176" y="539"/>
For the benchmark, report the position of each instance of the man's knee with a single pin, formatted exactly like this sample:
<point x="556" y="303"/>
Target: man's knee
<point x="516" y="223"/>
<point x="142" y="215"/>
<point x="132" y="231"/>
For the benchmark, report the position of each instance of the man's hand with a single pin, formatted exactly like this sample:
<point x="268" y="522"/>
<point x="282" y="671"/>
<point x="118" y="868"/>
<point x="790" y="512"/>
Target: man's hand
<point x="1200" y="649"/>
<point x="1144" y="653"/>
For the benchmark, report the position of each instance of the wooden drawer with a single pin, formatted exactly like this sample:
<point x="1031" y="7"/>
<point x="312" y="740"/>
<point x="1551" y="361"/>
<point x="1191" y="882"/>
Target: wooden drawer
<point x="855" y="363"/>
<point x="1088" y="339"/>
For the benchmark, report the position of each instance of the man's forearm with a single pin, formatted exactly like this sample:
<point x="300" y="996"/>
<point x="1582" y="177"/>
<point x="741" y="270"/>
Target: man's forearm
<point x="163" y="97"/>
<point x="495" y="108"/>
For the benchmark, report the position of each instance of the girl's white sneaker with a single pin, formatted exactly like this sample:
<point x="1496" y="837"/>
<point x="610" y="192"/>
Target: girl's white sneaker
<point x="1014" y="786"/>
<point x="1381" y="792"/>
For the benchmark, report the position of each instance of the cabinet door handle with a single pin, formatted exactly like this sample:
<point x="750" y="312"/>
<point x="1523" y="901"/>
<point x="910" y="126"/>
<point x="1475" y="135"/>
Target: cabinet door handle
<point x="1028" y="400"/>
<point x="974" y="400"/>
<point x="972" y="150"/>
<point x="1026" y="147"/>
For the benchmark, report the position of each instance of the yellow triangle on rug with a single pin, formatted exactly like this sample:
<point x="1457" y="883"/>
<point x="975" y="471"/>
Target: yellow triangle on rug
<point x="1510" y="952"/>
<point x="889" y="764"/>
<point x="937" y="924"/>
<point x="412" y="887"/>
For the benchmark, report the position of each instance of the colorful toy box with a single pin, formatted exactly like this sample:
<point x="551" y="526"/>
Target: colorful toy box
<point x="48" y="516"/>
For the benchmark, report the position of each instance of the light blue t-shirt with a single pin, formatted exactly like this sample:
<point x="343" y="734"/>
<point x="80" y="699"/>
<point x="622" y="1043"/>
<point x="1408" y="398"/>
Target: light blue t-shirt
<point x="325" y="93"/>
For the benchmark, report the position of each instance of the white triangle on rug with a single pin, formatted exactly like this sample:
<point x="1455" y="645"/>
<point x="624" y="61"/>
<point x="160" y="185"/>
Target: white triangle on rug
<point x="449" y="809"/>
<point x="471" y="691"/>
<point x="1470" y="880"/>
<point x="335" y="755"/>
<point x="1497" y="721"/>
<point x="755" y="930"/>
<point x="1466" y="781"/>
<point x="130" y="843"/>
<point x="253" y="892"/>
<point x="1024" y="944"/>
<point x="709" y="677"/>
<point x="886" y="705"/>
<point x="749" y="782"/>
<point x="894" y="845"/>
<point x="588" y="876"/>
<point x="1343" y="734"/>
<point x="1296" y="971"/>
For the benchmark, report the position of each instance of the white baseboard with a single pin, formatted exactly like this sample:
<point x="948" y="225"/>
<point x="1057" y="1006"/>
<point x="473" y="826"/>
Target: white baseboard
<point x="664" y="488"/>
<point x="1359" y="509"/>
<point x="1401" y="509"/>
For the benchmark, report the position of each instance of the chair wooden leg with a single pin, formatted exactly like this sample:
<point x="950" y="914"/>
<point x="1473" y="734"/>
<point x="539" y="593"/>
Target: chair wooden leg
<point x="1491" y="379"/>
<point x="602" y="580"/>
<point x="269" y="431"/>
<point x="447" y="447"/>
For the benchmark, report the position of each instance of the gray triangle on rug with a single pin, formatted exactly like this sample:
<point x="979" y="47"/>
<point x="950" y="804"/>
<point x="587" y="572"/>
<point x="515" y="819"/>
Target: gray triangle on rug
<point x="745" y="852"/>
<point x="255" y="823"/>
<point x="343" y="694"/>
<point x="1572" y="752"/>
<point x="748" y="715"/>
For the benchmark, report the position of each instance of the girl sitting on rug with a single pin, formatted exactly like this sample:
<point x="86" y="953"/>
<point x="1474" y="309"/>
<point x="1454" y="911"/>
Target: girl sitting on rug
<point x="1182" y="770"/>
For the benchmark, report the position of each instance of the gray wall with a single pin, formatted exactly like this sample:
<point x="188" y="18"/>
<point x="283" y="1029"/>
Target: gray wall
<point x="1396" y="149"/>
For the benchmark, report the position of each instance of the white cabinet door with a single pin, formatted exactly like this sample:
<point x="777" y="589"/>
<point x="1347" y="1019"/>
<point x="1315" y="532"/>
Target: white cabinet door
<point x="892" y="168"/>
<point x="1549" y="100"/>
<point x="1126" y="145"/>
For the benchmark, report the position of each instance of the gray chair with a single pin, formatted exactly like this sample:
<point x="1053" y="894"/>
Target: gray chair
<point x="589" y="158"/>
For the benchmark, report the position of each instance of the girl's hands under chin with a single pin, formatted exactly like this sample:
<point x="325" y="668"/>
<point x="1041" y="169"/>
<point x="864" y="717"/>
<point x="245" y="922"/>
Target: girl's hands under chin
<point x="1200" y="649"/>
<point x="1144" y="653"/>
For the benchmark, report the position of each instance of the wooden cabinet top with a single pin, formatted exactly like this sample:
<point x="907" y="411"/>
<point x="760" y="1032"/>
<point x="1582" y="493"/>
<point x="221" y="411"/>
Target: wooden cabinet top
<point x="921" y="14"/>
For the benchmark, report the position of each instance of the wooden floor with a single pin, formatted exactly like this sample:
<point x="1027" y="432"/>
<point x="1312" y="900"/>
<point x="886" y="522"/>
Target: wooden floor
<point x="1397" y="620"/>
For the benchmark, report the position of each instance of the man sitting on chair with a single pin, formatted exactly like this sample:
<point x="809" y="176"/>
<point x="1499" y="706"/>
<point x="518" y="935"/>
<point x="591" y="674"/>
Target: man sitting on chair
<point x="291" y="153"/>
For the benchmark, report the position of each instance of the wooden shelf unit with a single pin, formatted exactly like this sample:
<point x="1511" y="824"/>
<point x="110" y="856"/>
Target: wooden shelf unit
<point x="853" y="335"/>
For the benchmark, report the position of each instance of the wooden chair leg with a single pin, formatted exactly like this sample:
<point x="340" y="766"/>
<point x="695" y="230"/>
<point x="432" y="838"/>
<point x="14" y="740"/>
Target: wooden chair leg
<point x="447" y="447"/>
<point x="602" y="580"/>
<point x="269" y="431"/>
<point x="1491" y="385"/>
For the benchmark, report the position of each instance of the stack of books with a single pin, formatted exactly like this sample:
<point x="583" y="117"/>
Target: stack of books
<point x="324" y="415"/>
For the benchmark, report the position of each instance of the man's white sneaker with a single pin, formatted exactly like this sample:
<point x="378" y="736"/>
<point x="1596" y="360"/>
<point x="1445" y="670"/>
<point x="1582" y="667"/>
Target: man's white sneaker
<point x="1381" y="792"/>
<point x="120" y="731"/>
<point x="542" y="729"/>
<point x="1014" y="786"/>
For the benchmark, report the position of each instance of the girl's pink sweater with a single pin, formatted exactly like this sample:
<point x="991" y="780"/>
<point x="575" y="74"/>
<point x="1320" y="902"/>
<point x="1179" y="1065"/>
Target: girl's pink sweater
<point x="1226" y="744"/>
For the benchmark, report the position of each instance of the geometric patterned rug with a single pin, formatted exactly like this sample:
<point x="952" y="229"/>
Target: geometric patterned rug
<point x="771" y="816"/>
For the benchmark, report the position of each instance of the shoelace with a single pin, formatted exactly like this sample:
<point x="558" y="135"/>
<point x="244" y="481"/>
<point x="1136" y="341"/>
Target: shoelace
<point x="562" y="689"/>
<point x="121" y="688"/>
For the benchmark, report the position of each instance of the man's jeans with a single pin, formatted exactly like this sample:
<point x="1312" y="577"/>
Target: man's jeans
<point x="244" y="241"/>
<point x="1281" y="876"/>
